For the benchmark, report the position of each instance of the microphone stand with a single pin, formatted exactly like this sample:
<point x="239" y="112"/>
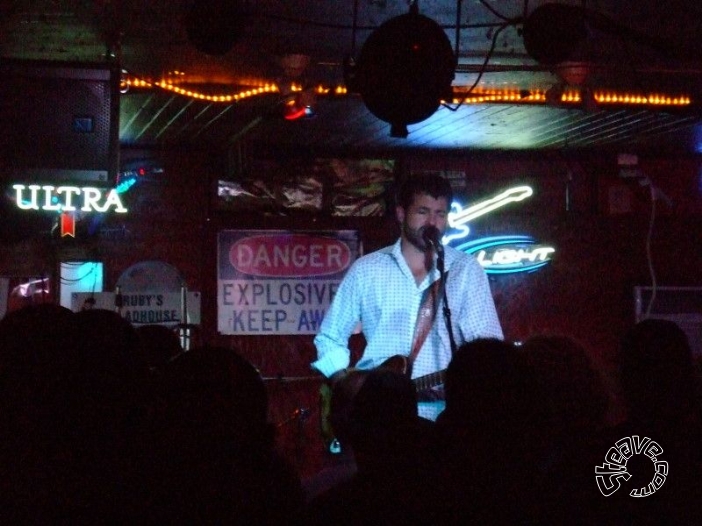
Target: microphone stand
<point x="447" y="311"/>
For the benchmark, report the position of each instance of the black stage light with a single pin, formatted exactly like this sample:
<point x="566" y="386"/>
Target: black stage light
<point x="405" y="70"/>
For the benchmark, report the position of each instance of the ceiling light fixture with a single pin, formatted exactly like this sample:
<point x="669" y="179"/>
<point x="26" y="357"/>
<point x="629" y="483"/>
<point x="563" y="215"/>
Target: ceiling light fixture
<point x="404" y="70"/>
<point x="298" y="108"/>
<point x="556" y="32"/>
<point x="294" y="65"/>
<point x="298" y="101"/>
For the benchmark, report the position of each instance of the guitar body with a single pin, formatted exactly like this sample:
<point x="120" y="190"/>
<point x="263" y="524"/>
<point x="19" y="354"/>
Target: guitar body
<point x="336" y="401"/>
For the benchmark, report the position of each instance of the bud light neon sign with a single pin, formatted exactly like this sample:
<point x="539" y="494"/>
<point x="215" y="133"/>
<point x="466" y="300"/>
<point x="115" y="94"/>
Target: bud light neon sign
<point x="507" y="254"/>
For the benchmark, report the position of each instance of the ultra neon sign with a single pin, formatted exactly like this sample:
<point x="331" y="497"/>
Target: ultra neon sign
<point x="62" y="199"/>
<point x="498" y="254"/>
<point x="67" y="200"/>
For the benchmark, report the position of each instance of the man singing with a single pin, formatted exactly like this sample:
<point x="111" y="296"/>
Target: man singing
<point x="403" y="302"/>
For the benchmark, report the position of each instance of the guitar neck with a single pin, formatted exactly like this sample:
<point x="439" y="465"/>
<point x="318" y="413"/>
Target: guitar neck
<point x="401" y="364"/>
<point x="422" y="383"/>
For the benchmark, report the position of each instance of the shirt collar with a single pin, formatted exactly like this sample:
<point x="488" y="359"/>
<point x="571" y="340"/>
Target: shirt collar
<point x="396" y="253"/>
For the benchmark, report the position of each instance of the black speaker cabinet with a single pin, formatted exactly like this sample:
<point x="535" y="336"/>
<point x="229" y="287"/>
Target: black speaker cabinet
<point x="59" y="122"/>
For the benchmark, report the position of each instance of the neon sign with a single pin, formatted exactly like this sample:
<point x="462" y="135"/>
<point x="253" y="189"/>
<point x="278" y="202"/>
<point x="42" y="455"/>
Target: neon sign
<point x="61" y="199"/>
<point x="67" y="201"/>
<point x="508" y="254"/>
<point x="459" y="217"/>
<point x="498" y="254"/>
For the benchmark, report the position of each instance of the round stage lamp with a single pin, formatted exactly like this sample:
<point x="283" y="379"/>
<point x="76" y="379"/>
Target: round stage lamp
<point x="404" y="70"/>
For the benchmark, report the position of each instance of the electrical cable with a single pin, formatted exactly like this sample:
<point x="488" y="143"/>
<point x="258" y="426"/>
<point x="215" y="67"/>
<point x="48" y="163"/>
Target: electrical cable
<point x="494" y="11"/>
<point x="649" y="258"/>
<point x="66" y="281"/>
<point x="506" y="22"/>
<point x="482" y="70"/>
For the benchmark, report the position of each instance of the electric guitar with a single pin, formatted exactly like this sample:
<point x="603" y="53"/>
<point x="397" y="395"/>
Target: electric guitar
<point x="348" y="386"/>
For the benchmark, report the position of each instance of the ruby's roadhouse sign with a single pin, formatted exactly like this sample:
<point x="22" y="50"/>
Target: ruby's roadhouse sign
<point x="279" y="281"/>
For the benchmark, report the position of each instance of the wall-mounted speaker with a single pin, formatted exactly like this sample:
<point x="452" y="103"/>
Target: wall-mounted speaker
<point x="59" y="122"/>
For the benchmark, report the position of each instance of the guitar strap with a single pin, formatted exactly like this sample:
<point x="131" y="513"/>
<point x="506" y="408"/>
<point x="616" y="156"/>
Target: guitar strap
<point x="425" y="318"/>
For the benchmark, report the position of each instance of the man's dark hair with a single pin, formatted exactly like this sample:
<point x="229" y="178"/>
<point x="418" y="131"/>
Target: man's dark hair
<point x="431" y="184"/>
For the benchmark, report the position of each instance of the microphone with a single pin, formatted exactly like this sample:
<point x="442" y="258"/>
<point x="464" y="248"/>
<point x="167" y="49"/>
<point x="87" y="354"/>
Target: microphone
<point x="432" y="237"/>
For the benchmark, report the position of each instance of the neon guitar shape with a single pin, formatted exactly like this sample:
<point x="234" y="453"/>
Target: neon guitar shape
<point x="459" y="217"/>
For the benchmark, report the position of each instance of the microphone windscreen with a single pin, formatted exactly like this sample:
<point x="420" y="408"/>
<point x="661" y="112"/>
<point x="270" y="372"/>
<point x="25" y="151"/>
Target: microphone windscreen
<point x="432" y="236"/>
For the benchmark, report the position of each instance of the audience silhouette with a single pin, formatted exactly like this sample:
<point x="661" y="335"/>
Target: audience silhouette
<point x="213" y="456"/>
<point x="72" y="410"/>
<point x="393" y="449"/>
<point x="485" y="475"/>
<point x="159" y="344"/>
<point x="90" y="434"/>
<point x="659" y="387"/>
<point x="567" y="430"/>
<point x="33" y="345"/>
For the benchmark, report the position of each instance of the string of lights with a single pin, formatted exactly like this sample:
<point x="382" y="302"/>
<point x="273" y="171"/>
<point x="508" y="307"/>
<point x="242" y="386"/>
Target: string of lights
<point x="462" y="94"/>
<point x="129" y="81"/>
<point x="574" y="96"/>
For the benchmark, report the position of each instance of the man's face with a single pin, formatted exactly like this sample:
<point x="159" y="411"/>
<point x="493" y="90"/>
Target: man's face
<point x="424" y="211"/>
